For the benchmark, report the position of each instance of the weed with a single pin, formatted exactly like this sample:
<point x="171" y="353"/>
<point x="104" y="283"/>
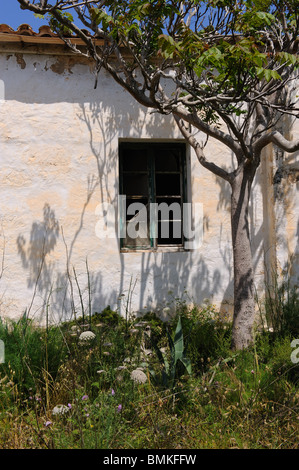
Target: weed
<point x="59" y="392"/>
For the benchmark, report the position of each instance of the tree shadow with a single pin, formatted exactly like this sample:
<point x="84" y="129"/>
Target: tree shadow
<point x="157" y="277"/>
<point x="61" y="295"/>
<point x="42" y="241"/>
<point x="160" y="276"/>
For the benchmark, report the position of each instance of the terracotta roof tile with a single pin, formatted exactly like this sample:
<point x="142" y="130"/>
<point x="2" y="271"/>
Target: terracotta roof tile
<point x="25" y="35"/>
<point x="4" y="28"/>
<point x="45" y="30"/>
<point x="26" y="30"/>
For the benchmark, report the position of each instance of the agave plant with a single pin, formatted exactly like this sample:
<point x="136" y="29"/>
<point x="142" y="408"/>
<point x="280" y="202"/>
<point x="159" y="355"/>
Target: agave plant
<point x="177" y="364"/>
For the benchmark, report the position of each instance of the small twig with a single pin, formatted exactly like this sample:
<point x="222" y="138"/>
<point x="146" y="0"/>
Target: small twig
<point x="69" y="276"/>
<point x="80" y="295"/>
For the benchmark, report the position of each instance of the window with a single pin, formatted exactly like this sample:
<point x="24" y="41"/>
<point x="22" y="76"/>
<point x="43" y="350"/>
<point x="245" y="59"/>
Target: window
<point x="153" y="191"/>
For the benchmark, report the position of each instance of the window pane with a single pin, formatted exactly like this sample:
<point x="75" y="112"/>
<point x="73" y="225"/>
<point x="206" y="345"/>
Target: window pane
<point x="137" y="242"/>
<point x="168" y="185"/>
<point x="133" y="206"/>
<point x="169" y="208"/>
<point x="167" y="159"/>
<point x="134" y="160"/>
<point x="169" y="233"/>
<point x="135" y="184"/>
<point x="137" y="224"/>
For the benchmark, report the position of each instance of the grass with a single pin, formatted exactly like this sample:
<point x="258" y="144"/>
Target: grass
<point x="58" y="392"/>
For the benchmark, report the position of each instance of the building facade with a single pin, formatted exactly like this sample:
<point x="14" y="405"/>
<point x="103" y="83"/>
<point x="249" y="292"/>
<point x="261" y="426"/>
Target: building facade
<point x="71" y="152"/>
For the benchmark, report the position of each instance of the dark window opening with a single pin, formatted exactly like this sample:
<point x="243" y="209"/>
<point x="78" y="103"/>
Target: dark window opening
<point x="153" y="180"/>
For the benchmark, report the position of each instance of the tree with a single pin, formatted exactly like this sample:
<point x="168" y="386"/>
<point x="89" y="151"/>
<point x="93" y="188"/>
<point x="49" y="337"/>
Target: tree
<point x="232" y="66"/>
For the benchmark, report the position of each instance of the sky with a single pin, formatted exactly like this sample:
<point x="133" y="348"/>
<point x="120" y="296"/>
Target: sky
<point x="11" y="14"/>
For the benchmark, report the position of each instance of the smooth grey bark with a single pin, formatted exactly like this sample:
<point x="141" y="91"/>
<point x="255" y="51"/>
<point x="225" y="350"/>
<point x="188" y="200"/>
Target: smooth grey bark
<point x="244" y="305"/>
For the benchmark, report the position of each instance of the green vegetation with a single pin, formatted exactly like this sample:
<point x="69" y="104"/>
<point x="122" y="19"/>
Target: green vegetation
<point x="142" y="383"/>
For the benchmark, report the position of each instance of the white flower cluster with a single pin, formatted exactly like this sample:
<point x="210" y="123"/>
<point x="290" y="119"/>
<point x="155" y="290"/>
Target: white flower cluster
<point x="60" y="410"/>
<point x="138" y="376"/>
<point x="86" y="337"/>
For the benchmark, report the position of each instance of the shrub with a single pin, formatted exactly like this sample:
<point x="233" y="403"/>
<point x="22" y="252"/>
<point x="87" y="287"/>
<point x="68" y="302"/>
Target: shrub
<point x="107" y="316"/>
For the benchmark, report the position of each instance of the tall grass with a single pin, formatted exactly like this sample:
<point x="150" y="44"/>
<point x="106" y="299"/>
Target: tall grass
<point x="281" y="307"/>
<point x="59" y="391"/>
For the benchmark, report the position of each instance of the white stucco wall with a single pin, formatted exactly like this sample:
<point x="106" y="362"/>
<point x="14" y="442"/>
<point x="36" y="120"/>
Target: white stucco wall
<point x="59" y="142"/>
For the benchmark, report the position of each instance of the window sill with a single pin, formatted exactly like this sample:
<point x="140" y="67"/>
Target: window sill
<point x="160" y="249"/>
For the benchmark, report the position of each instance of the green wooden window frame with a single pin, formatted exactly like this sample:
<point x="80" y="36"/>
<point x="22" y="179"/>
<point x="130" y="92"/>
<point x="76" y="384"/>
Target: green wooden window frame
<point x="153" y="173"/>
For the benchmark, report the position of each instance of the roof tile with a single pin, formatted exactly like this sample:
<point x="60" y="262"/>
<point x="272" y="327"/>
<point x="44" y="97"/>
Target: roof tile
<point x="26" y="30"/>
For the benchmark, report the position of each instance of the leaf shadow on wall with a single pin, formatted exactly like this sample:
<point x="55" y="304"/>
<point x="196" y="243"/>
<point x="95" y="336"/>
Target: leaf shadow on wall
<point x="104" y="121"/>
<point x="55" y="292"/>
<point x="157" y="278"/>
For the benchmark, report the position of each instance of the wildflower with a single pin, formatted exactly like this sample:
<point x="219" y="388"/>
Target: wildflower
<point x="252" y="371"/>
<point x="60" y="410"/>
<point x="138" y="376"/>
<point x="112" y="392"/>
<point x="119" y="408"/>
<point x="147" y="352"/>
<point x="86" y="337"/>
<point x="48" y="423"/>
<point x="74" y="330"/>
<point x="85" y="397"/>
<point x="141" y="324"/>
<point x="100" y="371"/>
<point x="69" y="406"/>
<point x="128" y="359"/>
<point x="133" y="331"/>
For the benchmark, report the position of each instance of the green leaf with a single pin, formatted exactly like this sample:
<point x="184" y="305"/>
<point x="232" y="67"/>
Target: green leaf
<point x="289" y="59"/>
<point x="178" y="337"/>
<point x="267" y="74"/>
<point x="187" y="364"/>
<point x="96" y="384"/>
<point x="275" y="75"/>
<point x="268" y="18"/>
<point x="101" y="17"/>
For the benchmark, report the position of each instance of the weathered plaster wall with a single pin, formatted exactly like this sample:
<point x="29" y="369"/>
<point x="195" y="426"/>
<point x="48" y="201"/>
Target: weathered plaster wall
<point x="286" y="205"/>
<point x="59" y="159"/>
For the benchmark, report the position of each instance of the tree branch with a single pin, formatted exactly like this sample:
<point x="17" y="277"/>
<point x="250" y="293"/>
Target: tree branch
<point x="199" y="152"/>
<point x="276" y="138"/>
<point x="212" y="131"/>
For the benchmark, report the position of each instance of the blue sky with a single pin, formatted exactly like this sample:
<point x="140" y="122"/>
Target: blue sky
<point x="11" y="14"/>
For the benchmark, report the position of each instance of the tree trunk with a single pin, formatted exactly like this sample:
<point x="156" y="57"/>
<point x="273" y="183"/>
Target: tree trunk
<point x="244" y="306"/>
